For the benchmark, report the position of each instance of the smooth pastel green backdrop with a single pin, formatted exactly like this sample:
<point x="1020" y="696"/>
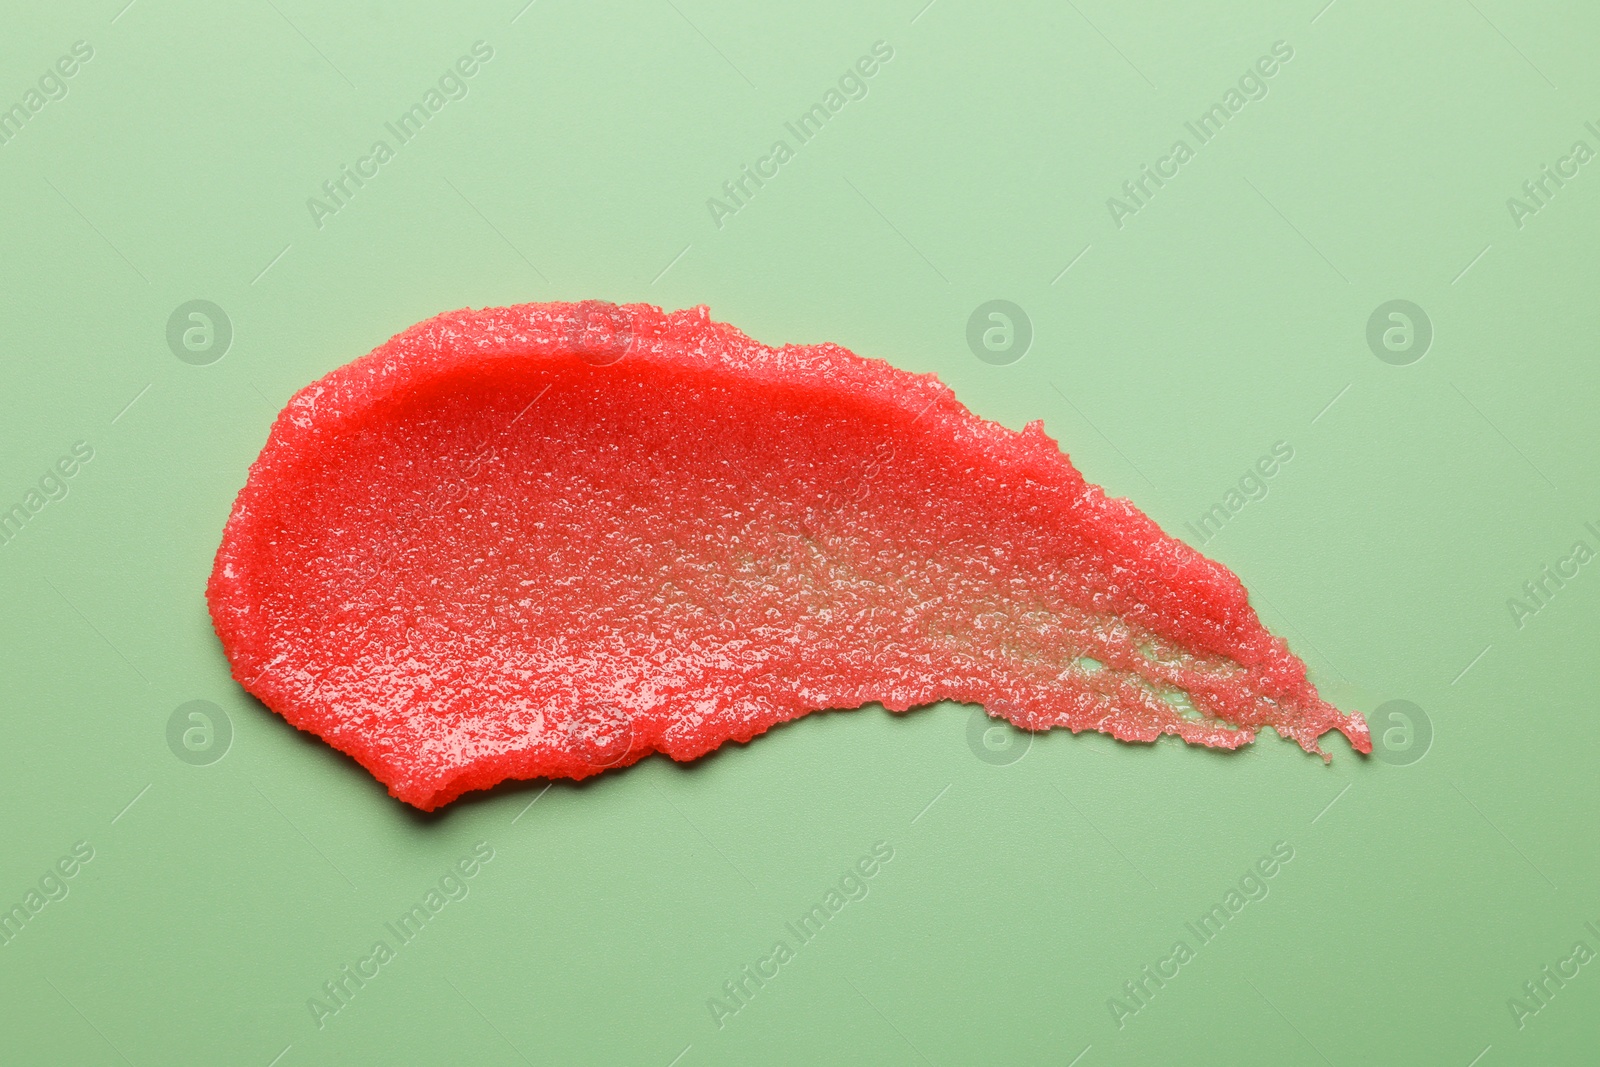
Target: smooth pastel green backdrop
<point x="1173" y="346"/>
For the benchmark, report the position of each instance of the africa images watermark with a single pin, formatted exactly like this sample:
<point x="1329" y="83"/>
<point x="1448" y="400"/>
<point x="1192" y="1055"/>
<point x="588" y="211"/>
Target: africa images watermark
<point x="739" y="991"/>
<point x="1538" y="591"/>
<point x="737" y="191"/>
<point x="338" y="191"/>
<point x="1252" y="485"/>
<point x="1538" y="191"/>
<point x="53" y="485"/>
<point x="52" y="85"/>
<point x="1538" y="992"/>
<point x="52" y="886"/>
<point x="1140" y="990"/>
<point x="1137" y="192"/>
<point x="338" y="992"/>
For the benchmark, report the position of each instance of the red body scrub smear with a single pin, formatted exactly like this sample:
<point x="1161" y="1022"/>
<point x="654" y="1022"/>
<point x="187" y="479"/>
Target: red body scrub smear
<point x="548" y="540"/>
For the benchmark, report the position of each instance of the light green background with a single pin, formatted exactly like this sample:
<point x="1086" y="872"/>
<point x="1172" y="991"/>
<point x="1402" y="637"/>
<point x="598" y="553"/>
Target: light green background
<point x="1225" y="316"/>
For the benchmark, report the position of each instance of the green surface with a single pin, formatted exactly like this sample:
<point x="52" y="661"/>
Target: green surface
<point x="1227" y="314"/>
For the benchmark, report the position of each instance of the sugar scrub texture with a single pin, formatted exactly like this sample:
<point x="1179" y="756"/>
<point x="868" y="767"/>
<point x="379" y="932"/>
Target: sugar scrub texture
<point x="551" y="539"/>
